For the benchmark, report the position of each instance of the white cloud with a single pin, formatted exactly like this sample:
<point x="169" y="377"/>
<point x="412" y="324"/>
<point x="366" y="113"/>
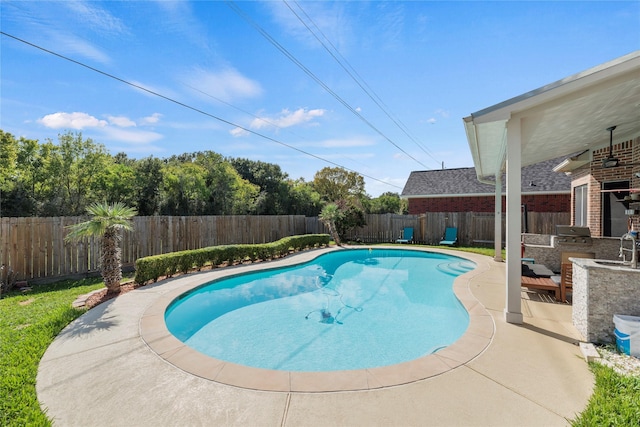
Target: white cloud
<point x="119" y="129"/>
<point x="95" y="17"/>
<point x="76" y="46"/>
<point x="227" y="85"/>
<point x="329" y="18"/>
<point x="442" y="113"/>
<point x="288" y="118"/>
<point x="146" y="90"/>
<point x="439" y="114"/>
<point x="71" y="120"/>
<point x="131" y="136"/>
<point x="238" y="132"/>
<point x="121" y="121"/>
<point x="150" y="120"/>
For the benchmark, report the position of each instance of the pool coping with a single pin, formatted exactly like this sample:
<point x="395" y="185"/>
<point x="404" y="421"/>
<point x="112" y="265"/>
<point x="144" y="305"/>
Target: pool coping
<point x="471" y="344"/>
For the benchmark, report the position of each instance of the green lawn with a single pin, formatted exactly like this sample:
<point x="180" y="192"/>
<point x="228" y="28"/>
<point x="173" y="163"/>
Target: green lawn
<point x="29" y="323"/>
<point x="615" y="400"/>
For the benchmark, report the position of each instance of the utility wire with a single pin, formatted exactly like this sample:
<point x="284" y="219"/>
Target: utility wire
<point x="262" y="119"/>
<point x="182" y="104"/>
<point x="348" y="68"/>
<point x="293" y="59"/>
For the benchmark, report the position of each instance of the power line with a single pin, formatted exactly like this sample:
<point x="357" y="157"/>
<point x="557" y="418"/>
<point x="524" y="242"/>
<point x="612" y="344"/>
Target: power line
<point x="182" y="104"/>
<point x="262" y="119"/>
<point x="355" y="76"/>
<point x="293" y="59"/>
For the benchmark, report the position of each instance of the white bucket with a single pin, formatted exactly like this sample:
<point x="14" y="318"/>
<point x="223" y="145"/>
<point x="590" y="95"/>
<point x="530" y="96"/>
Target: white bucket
<point x="627" y="334"/>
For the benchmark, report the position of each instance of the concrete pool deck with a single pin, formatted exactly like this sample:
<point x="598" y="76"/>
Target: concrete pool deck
<point x="102" y="371"/>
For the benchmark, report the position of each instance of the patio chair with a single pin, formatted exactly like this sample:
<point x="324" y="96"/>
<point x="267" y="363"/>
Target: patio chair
<point x="450" y="236"/>
<point x="406" y="236"/>
<point x="539" y="277"/>
<point x="566" y="279"/>
<point x="566" y="271"/>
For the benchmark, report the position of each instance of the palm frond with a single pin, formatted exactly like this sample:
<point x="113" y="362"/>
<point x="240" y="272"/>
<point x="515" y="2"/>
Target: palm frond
<point x="103" y="217"/>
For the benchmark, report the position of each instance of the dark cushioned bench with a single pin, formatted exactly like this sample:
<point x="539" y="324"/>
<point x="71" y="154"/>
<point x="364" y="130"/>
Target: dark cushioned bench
<point x="538" y="276"/>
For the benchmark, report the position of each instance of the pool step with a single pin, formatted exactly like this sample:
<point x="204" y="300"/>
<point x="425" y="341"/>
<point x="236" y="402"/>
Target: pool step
<point x="456" y="268"/>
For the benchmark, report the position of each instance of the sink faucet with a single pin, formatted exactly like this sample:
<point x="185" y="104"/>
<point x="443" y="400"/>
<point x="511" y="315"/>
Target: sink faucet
<point x="633" y="250"/>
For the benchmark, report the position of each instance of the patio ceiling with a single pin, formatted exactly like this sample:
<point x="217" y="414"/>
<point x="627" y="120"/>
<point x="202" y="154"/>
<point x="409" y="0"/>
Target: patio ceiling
<point x="562" y="118"/>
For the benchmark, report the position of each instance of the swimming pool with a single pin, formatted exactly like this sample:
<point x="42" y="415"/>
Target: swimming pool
<point x="345" y="310"/>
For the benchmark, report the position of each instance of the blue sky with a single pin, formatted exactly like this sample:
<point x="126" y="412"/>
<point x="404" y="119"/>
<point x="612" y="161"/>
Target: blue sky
<point x="377" y="87"/>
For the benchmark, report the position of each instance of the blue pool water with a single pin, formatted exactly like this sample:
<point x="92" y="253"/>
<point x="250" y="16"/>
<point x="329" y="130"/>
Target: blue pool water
<point x="348" y="309"/>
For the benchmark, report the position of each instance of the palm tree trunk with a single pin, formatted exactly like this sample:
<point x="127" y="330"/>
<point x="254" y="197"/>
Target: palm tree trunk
<point x="111" y="260"/>
<point x="334" y="233"/>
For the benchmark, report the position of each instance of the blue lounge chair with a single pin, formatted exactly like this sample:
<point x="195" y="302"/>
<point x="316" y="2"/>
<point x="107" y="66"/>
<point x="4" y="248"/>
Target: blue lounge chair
<point x="450" y="236"/>
<point x="407" y="235"/>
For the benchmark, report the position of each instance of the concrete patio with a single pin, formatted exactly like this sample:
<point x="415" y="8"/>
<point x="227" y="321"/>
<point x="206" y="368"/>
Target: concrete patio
<point x="100" y="372"/>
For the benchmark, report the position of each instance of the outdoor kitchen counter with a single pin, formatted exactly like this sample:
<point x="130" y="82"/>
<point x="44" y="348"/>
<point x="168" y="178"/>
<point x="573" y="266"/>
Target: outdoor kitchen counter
<point x="599" y="292"/>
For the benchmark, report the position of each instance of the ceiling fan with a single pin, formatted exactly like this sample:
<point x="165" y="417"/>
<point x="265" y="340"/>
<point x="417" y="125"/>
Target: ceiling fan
<point x="610" y="161"/>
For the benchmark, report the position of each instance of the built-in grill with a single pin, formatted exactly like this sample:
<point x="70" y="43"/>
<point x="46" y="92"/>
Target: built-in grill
<point x="569" y="234"/>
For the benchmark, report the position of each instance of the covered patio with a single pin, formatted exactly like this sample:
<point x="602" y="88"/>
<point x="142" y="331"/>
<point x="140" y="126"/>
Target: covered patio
<point x="563" y="118"/>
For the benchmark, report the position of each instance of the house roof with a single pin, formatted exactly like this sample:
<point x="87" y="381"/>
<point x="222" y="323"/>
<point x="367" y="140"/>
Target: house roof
<point x="463" y="181"/>
<point x="563" y="117"/>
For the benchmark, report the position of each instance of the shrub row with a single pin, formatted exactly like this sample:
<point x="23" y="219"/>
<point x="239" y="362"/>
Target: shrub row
<point x="153" y="267"/>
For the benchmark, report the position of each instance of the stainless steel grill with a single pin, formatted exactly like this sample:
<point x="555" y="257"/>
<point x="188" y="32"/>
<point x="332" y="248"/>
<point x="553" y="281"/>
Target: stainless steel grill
<point x="569" y="234"/>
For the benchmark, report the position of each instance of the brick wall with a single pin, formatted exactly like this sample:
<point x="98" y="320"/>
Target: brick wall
<point x="535" y="203"/>
<point x="628" y="153"/>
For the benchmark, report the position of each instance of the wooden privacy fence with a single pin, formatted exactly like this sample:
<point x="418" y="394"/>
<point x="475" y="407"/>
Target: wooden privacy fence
<point x="380" y="228"/>
<point x="474" y="228"/>
<point x="477" y="228"/>
<point x="35" y="248"/>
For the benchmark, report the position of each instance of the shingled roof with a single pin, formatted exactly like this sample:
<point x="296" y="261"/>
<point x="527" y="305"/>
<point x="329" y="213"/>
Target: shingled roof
<point x="538" y="178"/>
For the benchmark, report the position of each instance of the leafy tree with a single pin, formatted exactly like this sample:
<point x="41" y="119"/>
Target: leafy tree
<point x="148" y="184"/>
<point x="8" y="161"/>
<point x="117" y="183"/>
<point x="337" y="183"/>
<point x="107" y="223"/>
<point x="271" y="181"/>
<point x="388" y="202"/>
<point x="185" y="189"/>
<point x="351" y="216"/>
<point x="71" y="171"/>
<point x="16" y="202"/>
<point x="302" y="199"/>
<point x="8" y="172"/>
<point x="204" y="183"/>
<point x="230" y="194"/>
<point x="30" y="166"/>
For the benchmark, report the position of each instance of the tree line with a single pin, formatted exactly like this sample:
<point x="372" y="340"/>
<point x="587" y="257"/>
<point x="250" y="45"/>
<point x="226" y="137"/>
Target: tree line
<point x="64" y="178"/>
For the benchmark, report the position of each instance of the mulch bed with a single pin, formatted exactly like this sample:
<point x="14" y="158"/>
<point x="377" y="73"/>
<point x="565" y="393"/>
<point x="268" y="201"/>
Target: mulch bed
<point x="103" y="296"/>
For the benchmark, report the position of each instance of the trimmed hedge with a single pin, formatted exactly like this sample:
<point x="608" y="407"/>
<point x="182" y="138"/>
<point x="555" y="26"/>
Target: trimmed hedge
<point x="153" y="267"/>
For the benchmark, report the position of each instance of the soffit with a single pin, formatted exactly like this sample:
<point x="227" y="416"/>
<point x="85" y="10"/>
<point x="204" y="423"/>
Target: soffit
<point x="562" y="118"/>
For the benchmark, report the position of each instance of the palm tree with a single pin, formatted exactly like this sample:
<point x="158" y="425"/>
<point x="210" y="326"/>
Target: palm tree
<point x="329" y="216"/>
<point x="107" y="223"/>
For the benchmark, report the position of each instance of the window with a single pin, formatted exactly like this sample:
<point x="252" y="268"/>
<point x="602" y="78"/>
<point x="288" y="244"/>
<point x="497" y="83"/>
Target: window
<point x="614" y="218"/>
<point x="581" y="198"/>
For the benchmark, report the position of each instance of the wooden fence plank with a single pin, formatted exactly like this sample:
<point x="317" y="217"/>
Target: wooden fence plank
<point x="35" y="247"/>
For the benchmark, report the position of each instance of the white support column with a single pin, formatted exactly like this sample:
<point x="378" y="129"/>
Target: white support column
<point x="497" y="224"/>
<point x="513" y="308"/>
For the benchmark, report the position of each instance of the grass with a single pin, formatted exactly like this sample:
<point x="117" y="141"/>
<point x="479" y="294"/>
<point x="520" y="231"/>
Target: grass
<point x="615" y="400"/>
<point x="30" y="322"/>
